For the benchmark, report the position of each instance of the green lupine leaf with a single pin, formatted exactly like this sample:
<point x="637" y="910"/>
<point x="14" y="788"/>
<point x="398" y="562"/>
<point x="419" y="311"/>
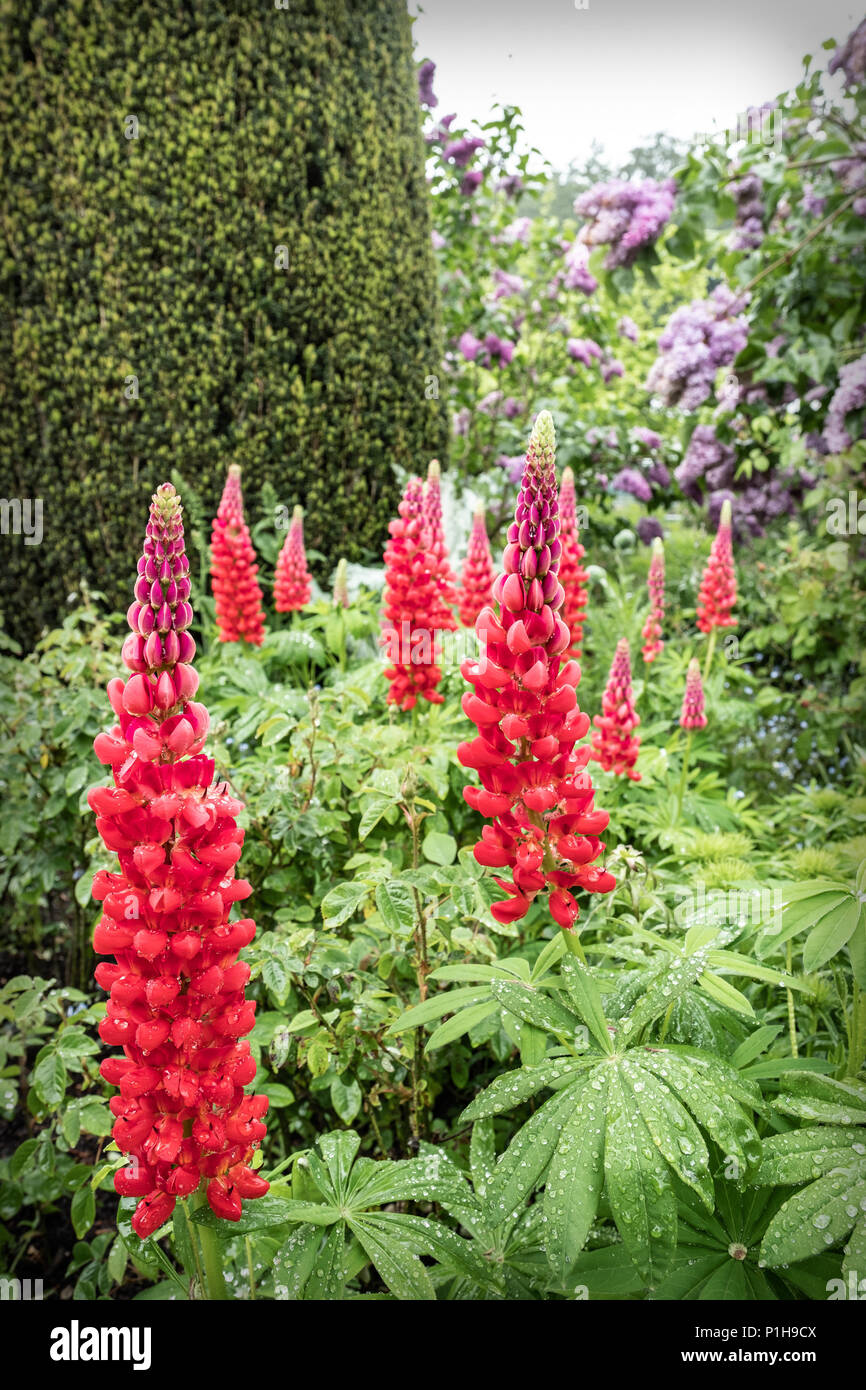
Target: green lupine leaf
<point x="724" y="993"/>
<point x="482" y="1154"/>
<point x="476" y="971"/>
<point x="673" y="1131"/>
<point x="576" y="1177"/>
<point x="855" y="1254"/>
<point x="754" y="1045"/>
<point x="514" y="1087"/>
<point x="296" y="1258"/>
<point x="338" y="1148"/>
<point x="638" y="1187"/>
<point x="430" y="1237"/>
<point x="693" y="1269"/>
<point x="804" y="1154"/>
<point x="586" y="998"/>
<point x="402" y="1271"/>
<point x="797" y="916"/>
<point x="430" y="1178"/>
<point x="326" y="1282"/>
<point x="832" y="933"/>
<point x="670" y="984"/>
<point x="533" y="1006"/>
<point x="818" y="1216"/>
<point x="527" y="1156"/>
<point x="711" y="1098"/>
<point x="813" y="1097"/>
<point x="607" y="1273"/>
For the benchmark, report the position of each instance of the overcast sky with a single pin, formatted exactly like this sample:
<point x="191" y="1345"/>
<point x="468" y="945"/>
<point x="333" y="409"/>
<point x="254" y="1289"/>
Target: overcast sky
<point x="621" y="69"/>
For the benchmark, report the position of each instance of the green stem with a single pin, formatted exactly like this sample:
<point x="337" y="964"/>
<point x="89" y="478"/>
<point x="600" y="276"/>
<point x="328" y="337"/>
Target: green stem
<point x="711" y="647"/>
<point x="211" y="1254"/>
<point x="249" y="1252"/>
<point x="193" y="1240"/>
<point x="857" y="1031"/>
<point x="792" y="1016"/>
<point x="572" y="942"/>
<point x="681" y="790"/>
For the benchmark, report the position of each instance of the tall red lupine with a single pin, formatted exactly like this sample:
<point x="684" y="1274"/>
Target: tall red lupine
<point x="614" y="743"/>
<point x="237" y="595"/>
<point x="652" y="628"/>
<point x="718" y="591"/>
<point x="534" y="787"/>
<point x="412" y="606"/>
<point x="292" y="583"/>
<point x="692" y="715"/>
<point x="446" y="586"/>
<point x="476" y="590"/>
<point x="176" y="1004"/>
<point x="572" y="576"/>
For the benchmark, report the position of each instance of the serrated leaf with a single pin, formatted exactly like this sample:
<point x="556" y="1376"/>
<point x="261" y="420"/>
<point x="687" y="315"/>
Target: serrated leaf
<point x="396" y="902"/>
<point x="342" y="902"/>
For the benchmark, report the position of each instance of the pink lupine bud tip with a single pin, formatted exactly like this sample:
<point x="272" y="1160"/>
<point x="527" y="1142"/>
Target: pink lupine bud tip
<point x="692" y="715"/>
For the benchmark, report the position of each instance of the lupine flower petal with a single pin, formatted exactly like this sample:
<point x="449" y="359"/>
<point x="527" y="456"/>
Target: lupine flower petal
<point x="292" y="584"/>
<point x="615" y="744"/>
<point x="237" y="595"/>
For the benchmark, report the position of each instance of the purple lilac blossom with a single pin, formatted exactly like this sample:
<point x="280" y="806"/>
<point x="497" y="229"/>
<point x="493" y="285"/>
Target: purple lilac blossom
<point x="849" y="395"/>
<point x="513" y="466"/>
<point x="577" y="275"/>
<point x="699" y="338"/>
<point x="460" y="151"/>
<point x="627" y="328"/>
<point x="469" y="345"/>
<point x="470" y="182"/>
<point x="851" y="57"/>
<point x="625" y="216"/>
<point x="583" y="350"/>
<point x="659" y="474"/>
<point x="648" y="438"/>
<point x="630" y="480"/>
<point x="426" y="95"/>
<point x="811" y="203"/>
<point x="507" y="284"/>
<point x="648" y="530"/>
<point x="748" y="193"/>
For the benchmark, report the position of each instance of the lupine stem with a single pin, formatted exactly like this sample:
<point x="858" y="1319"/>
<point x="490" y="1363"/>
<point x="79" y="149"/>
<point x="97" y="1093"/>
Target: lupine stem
<point x="211" y="1254"/>
<point x="193" y="1240"/>
<point x="711" y="647"/>
<point x="685" y="772"/>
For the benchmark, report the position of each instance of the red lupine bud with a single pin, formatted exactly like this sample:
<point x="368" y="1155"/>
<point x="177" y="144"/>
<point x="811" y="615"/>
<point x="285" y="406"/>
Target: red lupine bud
<point x="292" y="585"/>
<point x="224" y="1198"/>
<point x="718" y="591"/>
<point x="413" y="608"/>
<point x="475" y="590"/>
<point x="175" y="833"/>
<point x="652" y="628"/>
<point x="693" y="716"/>
<point x="615" y="744"/>
<point x="237" y="595"/>
<point x="525" y="709"/>
<point x="572" y="576"/>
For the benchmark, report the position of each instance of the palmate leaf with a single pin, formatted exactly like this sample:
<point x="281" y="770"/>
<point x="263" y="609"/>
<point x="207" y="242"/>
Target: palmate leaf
<point x="641" y="1113"/>
<point x="817" y="1217"/>
<point x="400" y="1269"/>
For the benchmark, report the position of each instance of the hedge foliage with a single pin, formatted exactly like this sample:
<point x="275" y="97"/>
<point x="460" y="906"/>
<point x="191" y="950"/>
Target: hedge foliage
<point x="154" y="164"/>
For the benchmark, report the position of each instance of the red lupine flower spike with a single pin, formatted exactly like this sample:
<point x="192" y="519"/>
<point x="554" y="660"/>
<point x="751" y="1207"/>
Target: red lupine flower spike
<point x="534" y="787"/>
<point x="572" y="576"/>
<point x="176" y="992"/>
<point x="693" y="716"/>
<point x="476" y="589"/>
<point x="718" y="591"/>
<point x="446" y="587"/>
<point x="652" y="628"/>
<point x="412" y="608"/>
<point x="237" y="594"/>
<point x="292" y="585"/>
<point x="615" y="744"/>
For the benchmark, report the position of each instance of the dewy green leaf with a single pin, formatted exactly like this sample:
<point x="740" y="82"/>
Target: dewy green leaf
<point x="586" y="997"/>
<point x="641" y="1198"/>
<point x="576" y="1176"/>
<point x="402" y="1271"/>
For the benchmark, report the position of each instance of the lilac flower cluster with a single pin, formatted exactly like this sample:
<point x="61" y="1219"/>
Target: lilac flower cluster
<point x="492" y="349"/>
<point x="627" y="328"/>
<point x="648" y="528"/>
<point x="583" y="350"/>
<point x="748" y="194"/>
<point x="461" y="150"/>
<point x="851" y="57"/>
<point x="849" y="395"/>
<point x="626" y="216"/>
<point x="577" y="275"/>
<point x="630" y="480"/>
<point x="426" y="95"/>
<point x="812" y="204"/>
<point x="513" y="465"/>
<point x="709" y="466"/>
<point x="648" y="438"/>
<point x="611" y="367"/>
<point x="507" y="284"/>
<point x="699" y="338"/>
<point x="441" y="130"/>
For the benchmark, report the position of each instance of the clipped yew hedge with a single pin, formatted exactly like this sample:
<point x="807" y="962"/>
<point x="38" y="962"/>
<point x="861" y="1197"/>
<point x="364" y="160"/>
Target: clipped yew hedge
<point x="215" y="249"/>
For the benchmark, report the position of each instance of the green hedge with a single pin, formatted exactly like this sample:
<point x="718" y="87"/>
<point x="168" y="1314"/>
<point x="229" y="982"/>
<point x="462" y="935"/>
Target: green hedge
<point x="155" y="257"/>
